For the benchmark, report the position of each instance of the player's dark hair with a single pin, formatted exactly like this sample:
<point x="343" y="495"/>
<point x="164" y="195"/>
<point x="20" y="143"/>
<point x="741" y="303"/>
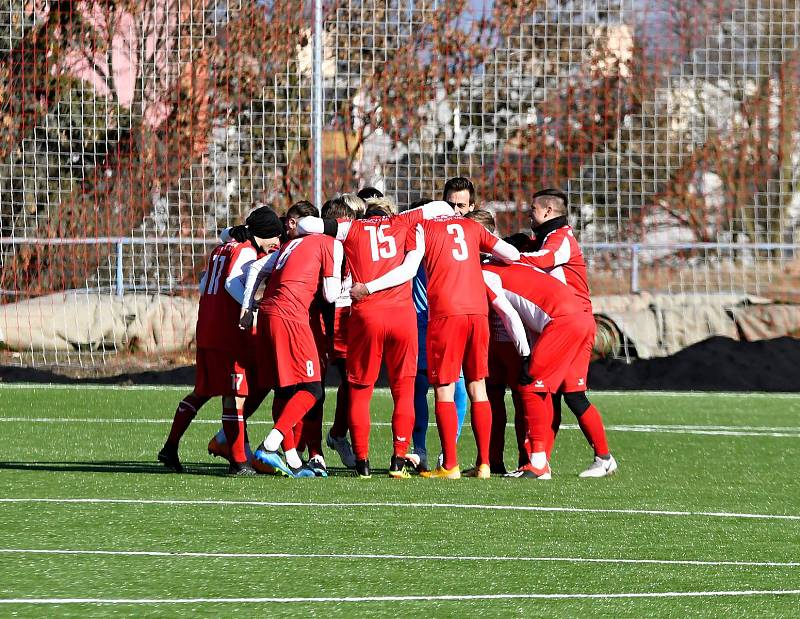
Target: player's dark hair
<point x="459" y="183"/>
<point x="304" y="208"/>
<point x="420" y="202"/>
<point x="369" y="192"/>
<point x="337" y="209"/>
<point x="375" y="210"/>
<point x="553" y="192"/>
<point x="519" y="240"/>
<point x="484" y="218"/>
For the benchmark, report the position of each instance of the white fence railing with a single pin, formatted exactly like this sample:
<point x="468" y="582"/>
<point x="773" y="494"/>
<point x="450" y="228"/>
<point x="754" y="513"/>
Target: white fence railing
<point x="634" y="251"/>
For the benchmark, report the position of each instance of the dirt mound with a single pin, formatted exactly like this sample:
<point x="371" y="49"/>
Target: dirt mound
<point x="716" y="364"/>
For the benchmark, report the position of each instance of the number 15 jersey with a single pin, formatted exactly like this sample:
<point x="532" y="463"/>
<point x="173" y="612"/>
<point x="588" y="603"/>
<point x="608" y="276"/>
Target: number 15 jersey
<point x="373" y="247"/>
<point x="453" y="247"/>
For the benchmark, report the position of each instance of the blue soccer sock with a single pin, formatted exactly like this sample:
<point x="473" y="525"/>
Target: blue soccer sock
<point x="420" y="411"/>
<point x="461" y="404"/>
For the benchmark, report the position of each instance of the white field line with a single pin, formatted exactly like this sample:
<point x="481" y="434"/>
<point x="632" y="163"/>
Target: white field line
<point x="402" y="598"/>
<point x="385" y="390"/>
<point x="770" y="431"/>
<point x="467" y="506"/>
<point x="393" y="557"/>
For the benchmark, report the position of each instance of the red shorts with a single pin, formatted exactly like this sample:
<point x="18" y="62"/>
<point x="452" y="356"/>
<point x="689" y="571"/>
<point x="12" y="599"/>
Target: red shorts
<point x="504" y="364"/>
<point x="578" y="371"/>
<point x="320" y="339"/>
<point x="456" y="342"/>
<point x="341" y="318"/>
<point x="223" y="372"/>
<point x="287" y="353"/>
<point x="560" y="344"/>
<point x="388" y="335"/>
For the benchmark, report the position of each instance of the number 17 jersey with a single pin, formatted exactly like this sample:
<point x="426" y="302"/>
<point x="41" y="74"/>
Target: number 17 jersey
<point x="453" y="247"/>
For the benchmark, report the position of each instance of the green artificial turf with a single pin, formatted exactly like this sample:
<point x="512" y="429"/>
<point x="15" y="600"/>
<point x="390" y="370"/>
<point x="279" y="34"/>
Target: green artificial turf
<point x="693" y="469"/>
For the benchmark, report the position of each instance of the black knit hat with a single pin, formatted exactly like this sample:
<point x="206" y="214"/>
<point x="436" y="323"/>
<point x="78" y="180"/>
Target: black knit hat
<point x="264" y="223"/>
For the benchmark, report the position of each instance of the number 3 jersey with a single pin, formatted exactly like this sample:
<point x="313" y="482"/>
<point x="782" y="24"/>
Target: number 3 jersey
<point x="453" y="246"/>
<point x="218" y="315"/>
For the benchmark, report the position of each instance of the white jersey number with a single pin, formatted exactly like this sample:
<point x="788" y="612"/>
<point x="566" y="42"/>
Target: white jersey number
<point x="381" y="245"/>
<point x="461" y="251"/>
<point x="285" y="255"/>
<point x="217" y="269"/>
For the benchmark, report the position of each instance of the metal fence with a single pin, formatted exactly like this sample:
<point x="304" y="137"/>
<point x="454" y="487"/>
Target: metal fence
<point x="147" y="125"/>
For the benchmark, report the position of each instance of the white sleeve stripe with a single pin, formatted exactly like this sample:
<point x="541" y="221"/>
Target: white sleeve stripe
<point x="332" y="285"/>
<point x="507" y="314"/>
<point x="534" y="317"/>
<point x="237" y="277"/>
<point x="562" y="254"/>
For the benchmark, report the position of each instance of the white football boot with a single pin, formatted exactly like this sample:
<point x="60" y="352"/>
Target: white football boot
<point x="600" y="468"/>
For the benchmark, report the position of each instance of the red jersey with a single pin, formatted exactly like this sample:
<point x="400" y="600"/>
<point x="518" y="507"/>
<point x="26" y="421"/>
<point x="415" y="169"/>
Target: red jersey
<point x="560" y="255"/>
<point x="218" y="315"/>
<point x="453" y="247"/>
<point x="298" y="271"/>
<point x="373" y="247"/>
<point x="537" y="296"/>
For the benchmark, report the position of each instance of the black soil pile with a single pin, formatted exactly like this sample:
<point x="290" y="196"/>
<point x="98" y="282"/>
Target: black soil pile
<point x="716" y="364"/>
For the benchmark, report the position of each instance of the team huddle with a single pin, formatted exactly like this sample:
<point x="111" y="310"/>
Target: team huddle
<point x="431" y="294"/>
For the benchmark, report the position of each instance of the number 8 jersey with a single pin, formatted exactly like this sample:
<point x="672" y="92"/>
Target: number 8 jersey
<point x="453" y="246"/>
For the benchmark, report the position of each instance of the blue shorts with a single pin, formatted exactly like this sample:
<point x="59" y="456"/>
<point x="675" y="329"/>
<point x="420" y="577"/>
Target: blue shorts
<point x="422" y="336"/>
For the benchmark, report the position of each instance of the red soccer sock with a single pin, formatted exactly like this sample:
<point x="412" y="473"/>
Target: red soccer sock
<point x="497" y="440"/>
<point x="184" y="415"/>
<point x="340" y="425"/>
<point x="297" y="435"/>
<point x="481" y="418"/>
<point x="539" y="416"/>
<point x="296" y="408"/>
<point x="403" y="414"/>
<point x="358" y="418"/>
<point x="591" y="424"/>
<point x="233" y="425"/>
<point x="447" y="422"/>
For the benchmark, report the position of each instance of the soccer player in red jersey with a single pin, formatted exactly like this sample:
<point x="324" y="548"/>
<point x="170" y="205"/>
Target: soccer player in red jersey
<point x="550" y="308"/>
<point x="339" y="208"/>
<point x="224" y="362"/>
<point x="382" y="325"/>
<point x="308" y="430"/>
<point x="556" y="251"/>
<point x="288" y="357"/>
<point x="458" y="331"/>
